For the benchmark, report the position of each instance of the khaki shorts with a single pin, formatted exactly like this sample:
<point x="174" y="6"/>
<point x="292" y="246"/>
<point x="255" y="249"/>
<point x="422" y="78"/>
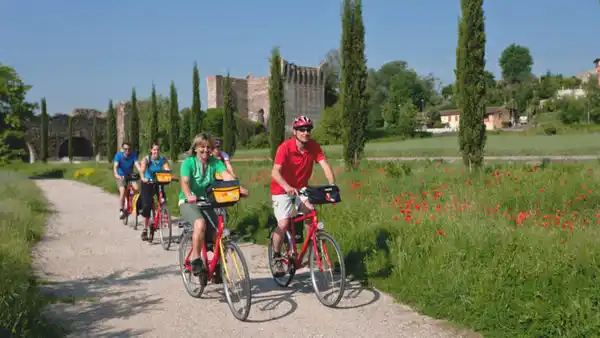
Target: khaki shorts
<point x="285" y="206"/>
<point x="121" y="183"/>
<point x="190" y="213"/>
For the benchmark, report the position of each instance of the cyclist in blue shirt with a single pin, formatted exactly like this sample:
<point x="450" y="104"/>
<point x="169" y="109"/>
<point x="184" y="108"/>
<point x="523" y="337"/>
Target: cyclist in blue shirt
<point x="124" y="163"/>
<point x="151" y="164"/>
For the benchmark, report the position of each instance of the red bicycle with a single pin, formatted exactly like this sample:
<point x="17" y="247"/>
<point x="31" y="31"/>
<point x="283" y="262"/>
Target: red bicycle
<point x="129" y="206"/>
<point x="317" y="254"/>
<point x="217" y="266"/>
<point x="160" y="217"/>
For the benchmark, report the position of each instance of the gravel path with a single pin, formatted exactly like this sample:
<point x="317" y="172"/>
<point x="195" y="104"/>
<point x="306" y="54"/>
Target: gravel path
<point x="123" y="287"/>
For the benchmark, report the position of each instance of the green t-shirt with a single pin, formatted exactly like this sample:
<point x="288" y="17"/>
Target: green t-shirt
<point x="200" y="179"/>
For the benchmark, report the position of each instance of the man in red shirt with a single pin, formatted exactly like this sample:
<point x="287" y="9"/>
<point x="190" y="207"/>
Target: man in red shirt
<point x="292" y="169"/>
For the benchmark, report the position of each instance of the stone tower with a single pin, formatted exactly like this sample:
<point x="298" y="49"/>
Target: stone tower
<point x="304" y="89"/>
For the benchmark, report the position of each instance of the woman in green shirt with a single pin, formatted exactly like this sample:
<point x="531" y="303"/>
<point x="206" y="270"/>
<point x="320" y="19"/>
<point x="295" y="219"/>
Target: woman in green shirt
<point x="198" y="170"/>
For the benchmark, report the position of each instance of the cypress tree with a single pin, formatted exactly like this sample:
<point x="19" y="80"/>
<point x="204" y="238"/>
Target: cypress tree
<point x="153" y="119"/>
<point x="134" y="124"/>
<point x="173" y="119"/>
<point x="470" y="82"/>
<point x="361" y="114"/>
<point x="111" y="132"/>
<point x="70" y="144"/>
<point x="44" y="133"/>
<point x="276" y="103"/>
<point x="353" y="85"/>
<point x="196" y="119"/>
<point x="95" y="137"/>
<point x="229" y="129"/>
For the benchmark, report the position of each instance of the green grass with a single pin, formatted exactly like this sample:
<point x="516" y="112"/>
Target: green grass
<point x="510" y="252"/>
<point x="22" y="219"/>
<point x="509" y="143"/>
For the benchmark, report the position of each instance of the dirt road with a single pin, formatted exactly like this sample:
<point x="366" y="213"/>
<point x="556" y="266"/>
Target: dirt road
<point x="123" y="287"/>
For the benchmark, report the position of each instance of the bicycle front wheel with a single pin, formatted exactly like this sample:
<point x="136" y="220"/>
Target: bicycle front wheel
<point x="236" y="283"/>
<point x="192" y="284"/>
<point x="327" y="261"/>
<point x="166" y="229"/>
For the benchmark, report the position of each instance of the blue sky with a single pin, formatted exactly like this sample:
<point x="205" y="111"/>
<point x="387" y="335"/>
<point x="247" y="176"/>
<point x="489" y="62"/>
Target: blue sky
<point x="81" y="53"/>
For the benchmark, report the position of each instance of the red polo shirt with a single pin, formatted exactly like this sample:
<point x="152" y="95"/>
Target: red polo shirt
<point x="296" y="165"/>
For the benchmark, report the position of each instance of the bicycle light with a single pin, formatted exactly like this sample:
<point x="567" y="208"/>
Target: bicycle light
<point x="226" y="232"/>
<point x="321" y="225"/>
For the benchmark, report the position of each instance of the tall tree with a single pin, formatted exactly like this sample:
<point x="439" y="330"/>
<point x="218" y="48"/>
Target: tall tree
<point x="516" y="63"/>
<point x="153" y="119"/>
<point x="134" y="123"/>
<point x="354" y="80"/>
<point x="276" y="103"/>
<point x="95" y="137"/>
<point x="111" y="132"/>
<point x="197" y="117"/>
<point x="173" y="128"/>
<point x="331" y="68"/>
<point x="471" y="82"/>
<point x="229" y="128"/>
<point x="14" y="110"/>
<point x="187" y="120"/>
<point x="70" y="142"/>
<point x="44" y="132"/>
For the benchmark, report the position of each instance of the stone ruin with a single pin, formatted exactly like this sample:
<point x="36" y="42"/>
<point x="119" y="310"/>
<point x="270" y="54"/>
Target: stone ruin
<point x="304" y="89"/>
<point x="58" y="135"/>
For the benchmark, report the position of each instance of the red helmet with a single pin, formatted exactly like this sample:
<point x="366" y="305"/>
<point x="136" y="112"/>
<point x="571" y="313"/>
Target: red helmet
<point x="302" y="121"/>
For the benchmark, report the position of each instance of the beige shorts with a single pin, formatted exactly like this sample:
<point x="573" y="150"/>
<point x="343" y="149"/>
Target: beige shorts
<point x="285" y="206"/>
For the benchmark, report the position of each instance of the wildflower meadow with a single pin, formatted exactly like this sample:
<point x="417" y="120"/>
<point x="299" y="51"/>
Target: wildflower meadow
<point x="509" y="251"/>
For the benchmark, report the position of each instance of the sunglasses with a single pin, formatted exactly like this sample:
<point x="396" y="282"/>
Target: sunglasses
<point x="304" y="130"/>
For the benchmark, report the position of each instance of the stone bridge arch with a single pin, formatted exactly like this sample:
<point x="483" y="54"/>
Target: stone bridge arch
<point x="82" y="148"/>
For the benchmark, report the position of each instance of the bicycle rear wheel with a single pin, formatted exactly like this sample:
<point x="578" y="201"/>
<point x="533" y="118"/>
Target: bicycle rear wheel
<point x="192" y="283"/>
<point x="288" y="261"/>
<point x="329" y="265"/>
<point x="230" y="285"/>
<point x="165" y="229"/>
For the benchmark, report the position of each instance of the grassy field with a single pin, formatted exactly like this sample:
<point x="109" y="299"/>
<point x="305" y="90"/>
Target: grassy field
<point x="22" y="219"/>
<point x="510" y="143"/>
<point x="510" y="252"/>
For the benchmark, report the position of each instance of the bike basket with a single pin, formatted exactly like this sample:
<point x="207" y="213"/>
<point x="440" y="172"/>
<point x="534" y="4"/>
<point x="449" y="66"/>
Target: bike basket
<point x="164" y="177"/>
<point x="324" y="194"/>
<point x="224" y="193"/>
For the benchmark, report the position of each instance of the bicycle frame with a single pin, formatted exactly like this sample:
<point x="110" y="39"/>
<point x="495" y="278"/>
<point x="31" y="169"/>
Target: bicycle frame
<point x="217" y="254"/>
<point x="129" y="195"/>
<point x="313" y="229"/>
<point x="157" y="207"/>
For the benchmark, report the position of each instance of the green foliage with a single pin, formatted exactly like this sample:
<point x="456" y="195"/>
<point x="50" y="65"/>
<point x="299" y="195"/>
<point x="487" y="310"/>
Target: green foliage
<point x="331" y="70"/>
<point x="229" y="125"/>
<point x="407" y="123"/>
<point x="570" y="110"/>
<point x="22" y="224"/>
<point x="471" y="82"/>
<point x="44" y="132"/>
<point x="187" y="121"/>
<point x="14" y="112"/>
<point x="276" y="103"/>
<point x="258" y="141"/>
<point x="70" y="144"/>
<point x="153" y="129"/>
<point x="330" y="128"/>
<point x="354" y="82"/>
<point x="173" y="124"/>
<point x="111" y="132"/>
<point x="197" y="117"/>
<point x="213" y="121"/>
<point x="516" y="63"/>
<point x="134" y="123"/>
